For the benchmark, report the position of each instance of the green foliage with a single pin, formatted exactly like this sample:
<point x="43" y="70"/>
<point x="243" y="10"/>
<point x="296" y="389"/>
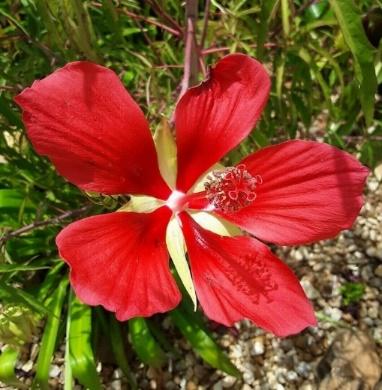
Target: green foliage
<point x="194" y="331"/>
<point x="352" y="292"/>
<point x="355" y="37"/>
<point x="145" y="345"/>
<point x="118" y="347"/>
<point x="81" y="357"/>
<point x="324" y="74"/>
<point x="8" y="361"/>
<point x="17" y="324"/>
<point x="49" y="338"/>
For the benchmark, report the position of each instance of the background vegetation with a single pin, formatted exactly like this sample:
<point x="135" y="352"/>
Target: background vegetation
<point x="325" y="60"/>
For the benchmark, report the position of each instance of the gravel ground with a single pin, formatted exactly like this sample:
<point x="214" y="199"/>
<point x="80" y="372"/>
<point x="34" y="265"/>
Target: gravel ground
<point x="299" y="362"/>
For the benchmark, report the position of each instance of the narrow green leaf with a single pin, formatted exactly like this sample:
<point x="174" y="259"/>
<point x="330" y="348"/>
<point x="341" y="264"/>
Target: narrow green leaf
<point x="350" y="23"/>
<point x="84" y="29"/>
<point x="285" y="13"/>
<point x="68" y="376"/>
<point x="45" y="10"/>
<point x="49" y="338"/>
<point x="267" y="9"/>
<point x="9" y="114"/>
<point x="4" y="268"/>
<point x="13" y="21"/>
<point x="117" y="344"/>
<point x="51" y="280"/>
<point x="316" y="10"/>
<point x="81" y="354"/>
<point x="161" y="335"/>
<point x="112" y="18"/>
<point x="260" y="138"/>
<point x="12" y="199"/>
<point x="144" y="343"/>
<point x="305" y="56"/>
<point x="202" y="343"/>
<point x="8" y="360"/>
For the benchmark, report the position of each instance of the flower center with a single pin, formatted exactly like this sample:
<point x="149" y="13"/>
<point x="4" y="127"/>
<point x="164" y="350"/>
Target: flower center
<point x="231" y="189"/>
<point x="176" y="201"/>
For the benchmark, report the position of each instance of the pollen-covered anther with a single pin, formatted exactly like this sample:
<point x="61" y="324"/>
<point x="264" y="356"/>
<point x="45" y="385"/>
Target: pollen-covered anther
<point x="231" y="189"/>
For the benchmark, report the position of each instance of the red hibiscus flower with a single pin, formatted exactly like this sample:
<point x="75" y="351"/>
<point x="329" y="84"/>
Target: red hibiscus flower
<point x="296" y="192"/>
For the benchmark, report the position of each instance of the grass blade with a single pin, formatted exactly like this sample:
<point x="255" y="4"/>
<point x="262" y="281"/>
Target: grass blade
<point x="4" y="268"/>
<point x="117" y="345"/>
<point x="11" y="199"/>
<point x="267" y="9"/>
<point x="68" y="376"/>
<point x="80" y="350"/>
<point x="285" y="14"/>
<point x="350" y="23"/>
<point x="51" y="280"/>
<point x="144" y="343"/>
<point x="49" y="337"/>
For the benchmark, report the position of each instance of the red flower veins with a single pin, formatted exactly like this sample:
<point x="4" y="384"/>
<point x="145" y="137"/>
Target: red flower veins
<point x="297" y="192"/>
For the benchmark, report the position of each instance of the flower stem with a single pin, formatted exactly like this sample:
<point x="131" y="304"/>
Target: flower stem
<point x="191" y="58"/>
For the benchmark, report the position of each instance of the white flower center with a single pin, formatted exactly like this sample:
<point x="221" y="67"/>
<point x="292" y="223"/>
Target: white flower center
<point x="176" y="201"/>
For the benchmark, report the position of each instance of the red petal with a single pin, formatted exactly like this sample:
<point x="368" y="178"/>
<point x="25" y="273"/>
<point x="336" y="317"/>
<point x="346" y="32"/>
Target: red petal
<point x="214" y="117"/>
<point x="120" y="261"/>
<point x="239" y="277"/>
<point x="84" y="120"/>
<point x="310" y="191"/>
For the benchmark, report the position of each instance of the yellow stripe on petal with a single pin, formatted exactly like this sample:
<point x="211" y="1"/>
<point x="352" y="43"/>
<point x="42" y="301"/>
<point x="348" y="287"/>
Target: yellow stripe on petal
<point x="199" y="184"/>
<point x="142" y="204"/>
<point x="166" y="151"/>
<point x="177" y="249"/>
<point x="215" y="224"/>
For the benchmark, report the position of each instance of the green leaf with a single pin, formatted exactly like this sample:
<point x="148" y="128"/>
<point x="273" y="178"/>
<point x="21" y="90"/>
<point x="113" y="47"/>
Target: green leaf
<point x="4" y="268"/>
<point x="144" y="343"/>
<point x="350" y="23"/>
<point x="49" y="338"/>
<point x="13" y="21"/>
<point x="117" y="344"/>
<point x="51" y="280"/>
<point x="17" y="295"/>
<point x="68" y="376"/>
<point x="352" y="292"/>
<point x="165" y="342"/>
<point x="81" y="354"/>
<point x="371" y="153"/>
<point x="202" y="343"/>
<point x="285" y="14"/>
<point x="12" y="199"/>
<point x="8" y="360"/>
<point x="267" y="8"/>
<point x="316" y="10"/>
<point x="8" y="113"/>
<point x="260" y="138"/>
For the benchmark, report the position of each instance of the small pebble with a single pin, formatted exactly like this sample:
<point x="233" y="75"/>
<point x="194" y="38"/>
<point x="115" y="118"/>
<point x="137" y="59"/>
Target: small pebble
<point x="228" y="381"/>
<point x="378" y="271"/>
<point x="291" y="376"/>
<point x="258" y="347"/>
<point x="54" y="371"/>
